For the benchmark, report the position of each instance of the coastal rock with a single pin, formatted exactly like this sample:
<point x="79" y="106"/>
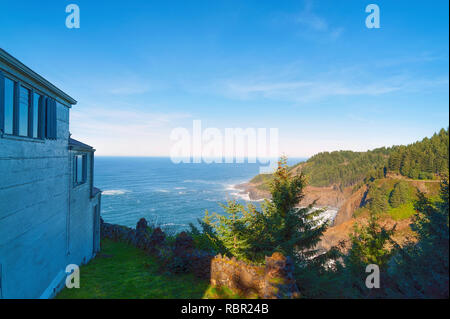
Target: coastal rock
<point x="142" y="225"/>
<point x="279" y="278"/>
<point x="183" y="243"/>
<point x="191" y="259"/>
<point x="273" y="280"/>
<point x="157" y="237"/>
<point x="355" y="201"/>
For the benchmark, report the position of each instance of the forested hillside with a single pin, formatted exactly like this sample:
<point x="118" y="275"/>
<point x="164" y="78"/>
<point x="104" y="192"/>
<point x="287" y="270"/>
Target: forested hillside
<point x="344" y="167"/>
<point x="421" y="160"/>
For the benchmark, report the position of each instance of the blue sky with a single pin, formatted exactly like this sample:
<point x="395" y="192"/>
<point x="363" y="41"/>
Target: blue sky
<point x="139" y="69"/>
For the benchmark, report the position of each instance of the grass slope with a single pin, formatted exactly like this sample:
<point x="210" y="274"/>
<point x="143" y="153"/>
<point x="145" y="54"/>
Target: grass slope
<point x="123" y="271"/>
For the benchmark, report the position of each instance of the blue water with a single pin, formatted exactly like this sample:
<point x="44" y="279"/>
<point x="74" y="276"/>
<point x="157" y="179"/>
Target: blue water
<point x="167" y="194"/>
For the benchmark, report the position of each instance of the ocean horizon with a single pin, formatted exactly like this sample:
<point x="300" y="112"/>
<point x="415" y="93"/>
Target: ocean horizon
<point x="167" y="194"/>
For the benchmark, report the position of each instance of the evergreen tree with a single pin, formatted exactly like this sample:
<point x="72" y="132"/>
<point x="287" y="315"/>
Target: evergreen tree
<point x="378" y="202"/>
<point x="299" y="229"/>
<point x="280" y="225"/>
<point x="421" y="269"/>
<point x="369" y="244"/>
<point x="231" y="229"/>
<point x="400" y="194"/>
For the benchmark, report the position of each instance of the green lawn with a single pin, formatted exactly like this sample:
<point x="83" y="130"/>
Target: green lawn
<point x="123" y="271"/>
<point x="402" y="212"/>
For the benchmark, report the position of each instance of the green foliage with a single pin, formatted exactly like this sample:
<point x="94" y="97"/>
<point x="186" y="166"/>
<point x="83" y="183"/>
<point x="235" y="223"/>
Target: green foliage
<point x="263" y="179"/>
<point x="206" y="239"/>
<point x="421" y="270"/>
<point x="298" y="229"/>
<point x="345" y="167"/>
<point x="424" y="159"/>
<point x="401" y="212"/>
<point x="377" y="199"/>
<point x="279" y="225"/>
<point x="231" y="229"/>
<point x="223" y="293"/>
<point x="420" y="160"/>
<point x="369" y="244"/>
<point x="123" y="271"/>
<point x="400" y="195"/>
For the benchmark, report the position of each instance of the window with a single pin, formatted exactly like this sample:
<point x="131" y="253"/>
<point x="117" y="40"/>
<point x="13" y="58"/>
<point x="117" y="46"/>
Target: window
<point x="24" y="112"/>
<point x="80" y="163"/>
<point x="24" y="108"/>
<point x="36" y="115"/>
<point x="9" y="106"/>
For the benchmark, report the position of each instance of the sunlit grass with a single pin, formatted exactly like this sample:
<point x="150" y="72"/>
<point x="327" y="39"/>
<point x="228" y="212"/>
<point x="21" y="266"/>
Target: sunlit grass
<point x="402" y="212"/>
<point x="123" y="271"/>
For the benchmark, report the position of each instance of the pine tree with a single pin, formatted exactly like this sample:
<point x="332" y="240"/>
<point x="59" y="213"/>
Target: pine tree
<point x="400" y="194"/>
<point x="280" y="225"/>
<point x="231" y="229"/>
<point x="421" y="269"/>
<point x="377" y="202"/>
<point x="299" y="229"/>
<point x="369" y="244"/>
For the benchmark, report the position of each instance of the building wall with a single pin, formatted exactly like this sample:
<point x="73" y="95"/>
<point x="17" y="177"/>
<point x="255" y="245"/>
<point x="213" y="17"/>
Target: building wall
<point x="34" y="184"/>
<point x="81" y="215"/>
<point x="44" y="223"/>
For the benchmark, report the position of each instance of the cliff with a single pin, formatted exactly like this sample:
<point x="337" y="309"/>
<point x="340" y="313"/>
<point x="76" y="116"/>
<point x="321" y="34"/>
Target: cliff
<point x="347" y="201"/>
<point x="341" y="199"/>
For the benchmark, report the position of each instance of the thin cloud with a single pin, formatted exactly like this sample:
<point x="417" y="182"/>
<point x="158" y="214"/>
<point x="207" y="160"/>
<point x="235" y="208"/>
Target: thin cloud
<point x="125" y="132"/>
<point x="312" y="22"/>
<point x="308" y="87"/>
<point x="305" y="91"/>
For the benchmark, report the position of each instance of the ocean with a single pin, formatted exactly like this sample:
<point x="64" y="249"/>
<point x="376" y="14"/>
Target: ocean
<point x="167" y="194"/>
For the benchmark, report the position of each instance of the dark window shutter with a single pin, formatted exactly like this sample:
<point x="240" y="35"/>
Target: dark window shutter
<point x="54" y="121"/>
<point x="84" y="168"/>
<point x="2" y="102"/>
<point x="74" y="170"/>
<point x="50" y="118"/>
<point x="16" y="108"/>
<point x="47" y="117"/>
<point x="30" y="113"/>
<point x="41" y="124"/>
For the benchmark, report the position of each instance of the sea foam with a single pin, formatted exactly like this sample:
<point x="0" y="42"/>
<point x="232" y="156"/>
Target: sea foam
<point x="114" y="192"/>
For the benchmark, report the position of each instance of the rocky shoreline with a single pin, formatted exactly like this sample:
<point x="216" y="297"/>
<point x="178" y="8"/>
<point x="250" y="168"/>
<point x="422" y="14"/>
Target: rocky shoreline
<point x="324" y="197"/>
<point x="251" y="190"/>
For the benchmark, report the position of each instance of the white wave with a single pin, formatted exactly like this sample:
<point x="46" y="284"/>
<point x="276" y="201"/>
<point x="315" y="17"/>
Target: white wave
<point x="162" y="191"/>
<point x="180" y="188"/>
<point x="238" y="193"/>
<point x="328" y="215"/>
<point x="231" y="187"/>
<point x="245" y="197"/>
<point x="115" y="192"/>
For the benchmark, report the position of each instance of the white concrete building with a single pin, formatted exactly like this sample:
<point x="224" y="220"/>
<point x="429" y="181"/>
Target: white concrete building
<point x="49" y="208"/>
